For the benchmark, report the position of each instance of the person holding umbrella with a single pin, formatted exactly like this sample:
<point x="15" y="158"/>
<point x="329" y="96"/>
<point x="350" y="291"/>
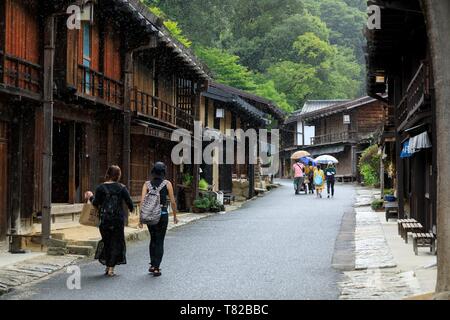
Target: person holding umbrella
<point x="298" y="168"/>
<point x="319" y="180"/>
<point x="330" y="173"/>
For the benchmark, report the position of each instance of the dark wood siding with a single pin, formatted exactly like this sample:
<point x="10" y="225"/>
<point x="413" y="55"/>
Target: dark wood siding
<point x="22" y="45"/>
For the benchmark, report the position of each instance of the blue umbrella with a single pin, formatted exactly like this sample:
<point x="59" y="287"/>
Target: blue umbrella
<point x="308" y="161"/>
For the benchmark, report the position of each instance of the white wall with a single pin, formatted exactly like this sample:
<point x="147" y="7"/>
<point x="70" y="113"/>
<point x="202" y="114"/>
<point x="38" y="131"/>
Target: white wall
<point x="310" y="132"/>
<point x="299" y="135"/>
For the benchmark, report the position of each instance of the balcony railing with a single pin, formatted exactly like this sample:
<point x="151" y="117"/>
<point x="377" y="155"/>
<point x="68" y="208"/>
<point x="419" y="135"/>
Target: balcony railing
<point x="334" y="137"/>
<point x="417" y="93"/>
<point x="95" y="84"/>
<point x="20" y="74"/>
<point x="151" y="106"/>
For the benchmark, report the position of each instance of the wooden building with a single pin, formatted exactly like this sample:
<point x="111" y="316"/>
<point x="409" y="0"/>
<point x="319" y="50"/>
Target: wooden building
<point x="399" y="63"/>
<point x="73" y="101"/>
<point x="342" y="128"/>
<point x="222" y="108"/>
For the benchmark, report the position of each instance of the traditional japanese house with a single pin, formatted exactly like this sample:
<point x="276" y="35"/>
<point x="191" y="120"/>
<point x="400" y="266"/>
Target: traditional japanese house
<point x="340" y="128"/>
<point x="296" y="134"/>
<point x="224" y="108"/>
<point x="75" y="100"/>
<point x="399" y="63"/>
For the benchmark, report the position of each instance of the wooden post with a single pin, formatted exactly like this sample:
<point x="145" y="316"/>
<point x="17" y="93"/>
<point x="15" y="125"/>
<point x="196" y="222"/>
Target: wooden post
<point x="126" y="146"/>
<point x="438" y="24"/>
<point x="16" y="172"/>
<point x="49" y="57"/>
<point x="398" y="150"/>
<point x="72" y="163"/>
<point x="382" y="173"/>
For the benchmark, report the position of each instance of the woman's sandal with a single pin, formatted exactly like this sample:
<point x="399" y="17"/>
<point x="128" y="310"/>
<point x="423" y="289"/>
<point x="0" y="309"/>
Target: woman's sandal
<point x="157" y="272"/>
<point x="111" y="273"/>
<point x="151" y="269"/>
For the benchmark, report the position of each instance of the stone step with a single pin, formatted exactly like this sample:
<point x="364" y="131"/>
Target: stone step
<point x="80" y="250"/>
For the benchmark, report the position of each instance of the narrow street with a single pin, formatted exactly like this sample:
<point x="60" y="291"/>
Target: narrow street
<point x="276" y="247"/>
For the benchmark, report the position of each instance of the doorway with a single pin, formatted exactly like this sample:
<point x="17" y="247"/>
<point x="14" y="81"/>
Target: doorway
<point x="4" y="133"/>
<point x="67" y="159"/>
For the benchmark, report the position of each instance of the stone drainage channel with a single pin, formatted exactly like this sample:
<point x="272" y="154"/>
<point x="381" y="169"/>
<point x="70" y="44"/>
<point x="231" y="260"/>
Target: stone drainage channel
<point x="371" y="272"/>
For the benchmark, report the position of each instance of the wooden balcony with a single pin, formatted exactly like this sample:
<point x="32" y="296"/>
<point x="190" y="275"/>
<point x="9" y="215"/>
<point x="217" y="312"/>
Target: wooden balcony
<point x="98" y="87"/>
<point x="147" y="105"/>
<point x="417" y="94"/>
<point x="344" y="136"/>
<point x="19" y="76"/>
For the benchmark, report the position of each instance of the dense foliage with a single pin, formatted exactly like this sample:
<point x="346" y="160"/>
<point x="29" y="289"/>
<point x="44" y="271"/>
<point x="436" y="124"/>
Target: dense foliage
<point x="369" y="166"/>
<point x="284" y="50"/>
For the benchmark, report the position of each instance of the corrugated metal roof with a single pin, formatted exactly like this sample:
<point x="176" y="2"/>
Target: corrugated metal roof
<point x="316" y="105"/>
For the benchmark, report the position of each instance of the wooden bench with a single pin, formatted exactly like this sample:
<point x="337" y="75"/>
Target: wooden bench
<point x="424" y="240"/>
<point x="399" y="225"/>
<point x="413" y="227"/>
<point x="391" y="209"/>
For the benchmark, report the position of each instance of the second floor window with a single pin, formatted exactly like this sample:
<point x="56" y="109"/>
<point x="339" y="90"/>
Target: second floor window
<point x="87" y="41"/>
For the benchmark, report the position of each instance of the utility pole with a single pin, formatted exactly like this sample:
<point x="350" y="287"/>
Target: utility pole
<point x="49" y="58"/>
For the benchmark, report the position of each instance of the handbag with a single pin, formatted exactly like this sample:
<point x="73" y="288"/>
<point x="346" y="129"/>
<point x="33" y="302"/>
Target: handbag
<point x="90" y="216"/>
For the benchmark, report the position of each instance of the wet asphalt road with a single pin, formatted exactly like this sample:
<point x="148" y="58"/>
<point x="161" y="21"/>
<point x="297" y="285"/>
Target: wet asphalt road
<point x="276" y="247"/>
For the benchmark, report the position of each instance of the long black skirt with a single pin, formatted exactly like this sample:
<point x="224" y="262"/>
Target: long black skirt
<point x="111" y="250"/>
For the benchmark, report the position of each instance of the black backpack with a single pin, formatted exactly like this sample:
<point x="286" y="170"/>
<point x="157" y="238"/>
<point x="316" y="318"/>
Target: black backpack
<point x="111" y="209"/>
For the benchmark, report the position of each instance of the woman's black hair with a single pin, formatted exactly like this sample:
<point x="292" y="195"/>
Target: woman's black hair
<point x="319" y="167"/>
<point x="159" y="170"/>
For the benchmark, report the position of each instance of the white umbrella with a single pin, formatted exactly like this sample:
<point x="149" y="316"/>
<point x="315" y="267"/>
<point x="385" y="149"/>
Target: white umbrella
<point x="325" y="159"/>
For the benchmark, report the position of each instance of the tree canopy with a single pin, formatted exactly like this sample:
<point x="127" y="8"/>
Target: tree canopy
<point x="284" y="50"/>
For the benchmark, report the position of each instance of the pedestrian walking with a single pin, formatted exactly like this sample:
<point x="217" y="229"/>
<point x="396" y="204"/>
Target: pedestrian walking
<point x="330" y="173"/>
<point x="157" y="192"/>
<point x="109" y="198"/>
<point x="309" y="178"/>
<point x="299" y="176"/>
<point x="319" y="180"/>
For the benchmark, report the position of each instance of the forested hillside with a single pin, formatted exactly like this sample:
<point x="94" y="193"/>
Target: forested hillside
<point x="285" y="50"/>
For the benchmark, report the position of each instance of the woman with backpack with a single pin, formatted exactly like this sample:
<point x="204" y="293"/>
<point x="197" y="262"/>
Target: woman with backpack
<point x="109" y="198"/>
<point x="156" y="195"/>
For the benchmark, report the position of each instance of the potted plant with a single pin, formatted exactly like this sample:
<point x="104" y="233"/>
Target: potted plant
<point x="201" y="205"/>
<point x="187" y="189"/>
<point x="203" y="185"/>
<point x="377" y="205"/>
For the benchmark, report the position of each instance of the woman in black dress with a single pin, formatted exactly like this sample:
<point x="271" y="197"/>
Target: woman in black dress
<point x="109" y="198"/>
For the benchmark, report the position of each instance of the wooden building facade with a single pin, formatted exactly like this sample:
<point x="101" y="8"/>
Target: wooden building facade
<point x="73" y="101"/>
<point x="342" y="128"/>
<point x="226" y="108"/>
<point x="399" y="62"/>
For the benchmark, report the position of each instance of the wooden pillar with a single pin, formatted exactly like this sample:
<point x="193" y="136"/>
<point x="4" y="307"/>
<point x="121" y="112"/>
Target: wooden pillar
<point x="72" y="163"/>
<point x="49" y="57"/>
<point x="16" y="172"/>
<point x="126" y="145"/>
<point x="438" y="24"/>
<point x="398" y="149"/>
<point x="110" y="139"/>
<point x="382" y="172"/>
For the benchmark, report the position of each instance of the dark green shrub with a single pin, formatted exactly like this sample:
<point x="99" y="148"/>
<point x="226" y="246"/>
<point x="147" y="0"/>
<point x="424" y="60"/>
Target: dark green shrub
<point x="377" y="204"/>
<point x="369" y="166"/>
